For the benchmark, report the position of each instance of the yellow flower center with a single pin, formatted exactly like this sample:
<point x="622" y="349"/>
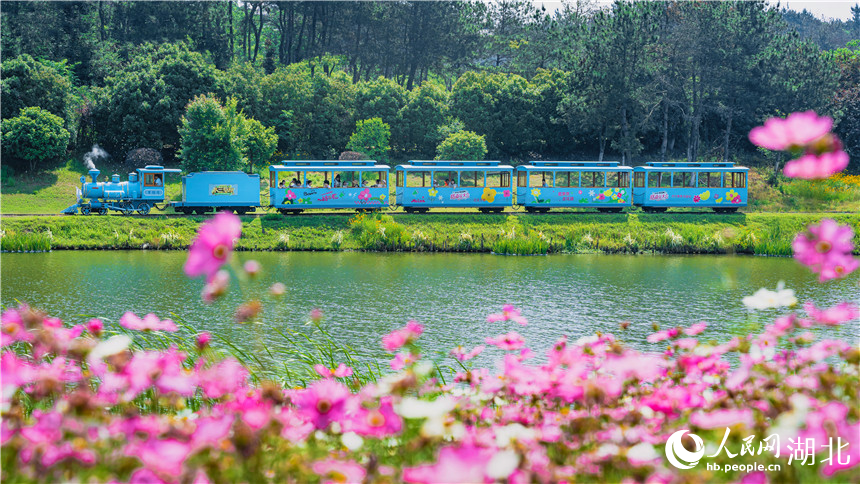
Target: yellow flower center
<point x="823" y="246"/>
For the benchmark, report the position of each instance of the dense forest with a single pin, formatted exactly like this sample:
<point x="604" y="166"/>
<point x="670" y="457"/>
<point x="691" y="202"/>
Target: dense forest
<point x="636" y="81"/>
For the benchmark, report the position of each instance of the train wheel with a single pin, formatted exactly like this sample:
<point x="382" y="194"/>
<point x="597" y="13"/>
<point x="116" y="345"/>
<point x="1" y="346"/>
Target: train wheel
<point x="143" y="208"/>
<point x="85" y="210"/>
<point x="242" y="211"/>
<point x="102" y="211"/>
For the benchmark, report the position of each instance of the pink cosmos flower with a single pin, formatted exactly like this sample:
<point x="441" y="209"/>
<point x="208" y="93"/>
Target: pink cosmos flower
<point x="216" y="287"/>
<point x="13" y="328"/>
<point x="401" y="360"/>
<point x="696" y="329"/>
<point x="508" y="342"/>
<point x="150" y="322"/>
<point x="465" y="463"/>
<point x="836" y="315"/>
<point x="163" y="456"/>
<point x="213" y="245"/>
<point x="403" y="336"/>
<point x="509" y="313"/>
<point x="461" y="354"/>
<point x="793" y="132"/>
<point x="323" y="402"/>
<point x="251" y="267"/>
<point x="203" y="340"/>
<point x="95" y="326"/>
<point x="811" y="166"/>
<point x="375" y="420"/>
<point x="224" y="378"/>
<point x="333" y="470"/>
<point x="340" y="372"/>
<point x="826" y="249"/>
<point x="663" y="335"/>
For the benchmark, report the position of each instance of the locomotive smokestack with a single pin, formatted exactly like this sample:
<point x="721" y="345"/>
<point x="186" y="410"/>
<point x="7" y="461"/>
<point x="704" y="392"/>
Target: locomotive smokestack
<point x="96" y="153"/>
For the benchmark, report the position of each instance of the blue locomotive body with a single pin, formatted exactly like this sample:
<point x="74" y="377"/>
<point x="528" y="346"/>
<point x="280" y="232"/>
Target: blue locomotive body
<point x="219" y="190"/>
<point x="144" y="188"/>
<point x="605" y="185"/>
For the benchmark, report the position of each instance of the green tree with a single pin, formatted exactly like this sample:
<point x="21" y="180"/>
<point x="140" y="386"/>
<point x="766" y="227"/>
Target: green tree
<point x="371" y="137"/>
<point x="212" y="136"/>
<point x="462" y="145"/>
<point x="142" y="106"/>
<point x="416" y="131"/>
<point x="34" y="138"/>
<point x="381" y="98"/>
<point x="260" y="143"/>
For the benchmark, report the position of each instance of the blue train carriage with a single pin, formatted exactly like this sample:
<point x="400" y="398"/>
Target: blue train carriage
<point x="485" y="185"/>
<point x="212" y="191"/>
<point x="542" y="185"/>
<point x="295" y="186"/>
<point x="719" y="186"/>
<point x="144" y="188"/>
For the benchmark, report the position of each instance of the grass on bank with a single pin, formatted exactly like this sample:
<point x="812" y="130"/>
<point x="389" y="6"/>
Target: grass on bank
<point x="764" y="234"/>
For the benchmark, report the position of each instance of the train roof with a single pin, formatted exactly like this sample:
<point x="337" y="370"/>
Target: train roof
<point x="456" y="165"/>
<point x="572" y="166"/>
<point x="328" y="165"/>
<point x="695" y="166"/>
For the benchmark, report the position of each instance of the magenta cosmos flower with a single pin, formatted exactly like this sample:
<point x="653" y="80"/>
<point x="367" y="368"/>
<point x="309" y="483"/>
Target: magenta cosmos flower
<point x="403" y="336"/>
<point x="826" y="249"/>
<point x="150" y="322"/>
<point x="213" y="245"/>
<point x="811" y="166"/>
<point x="454" y="464"/>
<point x="795" y="131"/>
<point x="509" y="313"/>
<point x="323" y="402"/>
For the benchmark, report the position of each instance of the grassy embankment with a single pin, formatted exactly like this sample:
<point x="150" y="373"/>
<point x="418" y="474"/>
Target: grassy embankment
<point x="765" y="234"/>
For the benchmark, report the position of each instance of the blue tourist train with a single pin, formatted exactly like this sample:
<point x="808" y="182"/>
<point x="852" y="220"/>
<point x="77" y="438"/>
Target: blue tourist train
<point x="542" y="185"/>
<point x="295" y="186"/>
<point x="721" y="186"/>
<point x="144" y="188"/>
<point x="363" y="185"/>
<point x="215" y="191"/>
<point x="485" y="185"/>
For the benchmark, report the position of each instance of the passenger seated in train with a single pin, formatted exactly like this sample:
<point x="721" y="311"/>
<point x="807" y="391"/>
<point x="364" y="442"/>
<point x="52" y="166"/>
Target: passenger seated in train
<point x="379" y="183"/>
<point x="364" y="183"/>
<point x="294" y="183"/>
<point x="283" y="184"/>
<point x="308" y="184"/>
<point x="452" y="183"/>
<point x="336" y="182"/>
<point x="326" y="184"/>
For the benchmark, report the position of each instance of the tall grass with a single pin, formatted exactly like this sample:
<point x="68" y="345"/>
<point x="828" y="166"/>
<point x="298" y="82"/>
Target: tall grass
<point x="13" y="241"/>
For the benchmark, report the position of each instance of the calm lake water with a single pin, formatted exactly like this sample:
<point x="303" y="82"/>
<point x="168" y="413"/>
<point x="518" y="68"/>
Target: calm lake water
<point x="365" y="295"/>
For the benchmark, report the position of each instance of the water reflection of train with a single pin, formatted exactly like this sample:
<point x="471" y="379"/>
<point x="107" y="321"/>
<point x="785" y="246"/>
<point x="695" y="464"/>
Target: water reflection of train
<point x="489" y="186"/>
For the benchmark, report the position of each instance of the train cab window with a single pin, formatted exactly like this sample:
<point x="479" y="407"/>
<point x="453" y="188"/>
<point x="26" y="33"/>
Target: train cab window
<point x="152" y="180"/>
<point x="639" y="179"/>
<point x="469" y="179"/>
<point x="591" y="179"/>
<point x="562" y="179"/>
<point x="541" y="179"/>
<point x="522" y="179"/>
<point x="683" y="179"/>
<point x="736" y="179"/>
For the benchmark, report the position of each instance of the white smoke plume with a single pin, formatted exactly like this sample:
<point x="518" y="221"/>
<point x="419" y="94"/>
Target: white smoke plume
<point x="97" y="153"/>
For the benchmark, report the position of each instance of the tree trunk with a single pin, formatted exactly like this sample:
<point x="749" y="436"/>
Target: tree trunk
<point x="601" y="137"/>
<point x="665" y="142"/>
<point x="101" y="20"/>
<point x="257" y="32"/>
<point x="726" y="140"/>
<point x="625" y="133"/>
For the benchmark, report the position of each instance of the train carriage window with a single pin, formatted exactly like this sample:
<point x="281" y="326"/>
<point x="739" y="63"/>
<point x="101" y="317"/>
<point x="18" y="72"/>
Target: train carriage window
<point x="702" y="180"/>
<point x="381" y="179"/>
<point x="344" y="179"/>
<point x="736" y="179"/>
<point x="613" y="179"/>
<point x="495" y="179"/>
<point x="418" y="178"/>
<point x="623" y="179"/>
<point x="659" y="179"/>
<point x="562" y="179"/>
<point x="470" y="179"/>
<point x="273" y="179"/>
<point x="317" y="179"/>
<point x="541" y="179"/>
<point x="506" y="179"/>
<point x="714" y="180"/>
<point x="683" y="179"/>
<point x="593" y="179"/>
<point x="639" y="179"/>
<point x="399" y="178"/>
<point x="522" y="179"/>
<point x="444" y="178"/>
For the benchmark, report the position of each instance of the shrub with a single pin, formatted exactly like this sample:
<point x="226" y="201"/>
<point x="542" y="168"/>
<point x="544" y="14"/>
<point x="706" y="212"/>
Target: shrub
<point x="371" y="136"/>
<point x="34" y="138"/>
<point x="463" y="145"/>
<point x="140" y="157"/>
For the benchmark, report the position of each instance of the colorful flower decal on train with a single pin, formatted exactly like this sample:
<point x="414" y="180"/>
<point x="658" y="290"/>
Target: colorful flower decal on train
<point x="489" y="195"/>
<point x="291" y="195"/>
<point x="536" y="194"/>
<point x="733" y="197"/>
<point x="702" y="196"/>
<point x="506" y="193"/>
<point x="432" y="192"/>
<point x="610" y="195"/>
<point x="364" y="195"/>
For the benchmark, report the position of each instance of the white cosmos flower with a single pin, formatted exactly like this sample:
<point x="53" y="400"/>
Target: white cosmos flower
<point x="352" y="441"/>
<point x="511" y="432"/>
<point x="642" y="453"/>
<point x="109" y="347"/>
<point x="503" y="464"/>
<point x="766" y="299"/>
